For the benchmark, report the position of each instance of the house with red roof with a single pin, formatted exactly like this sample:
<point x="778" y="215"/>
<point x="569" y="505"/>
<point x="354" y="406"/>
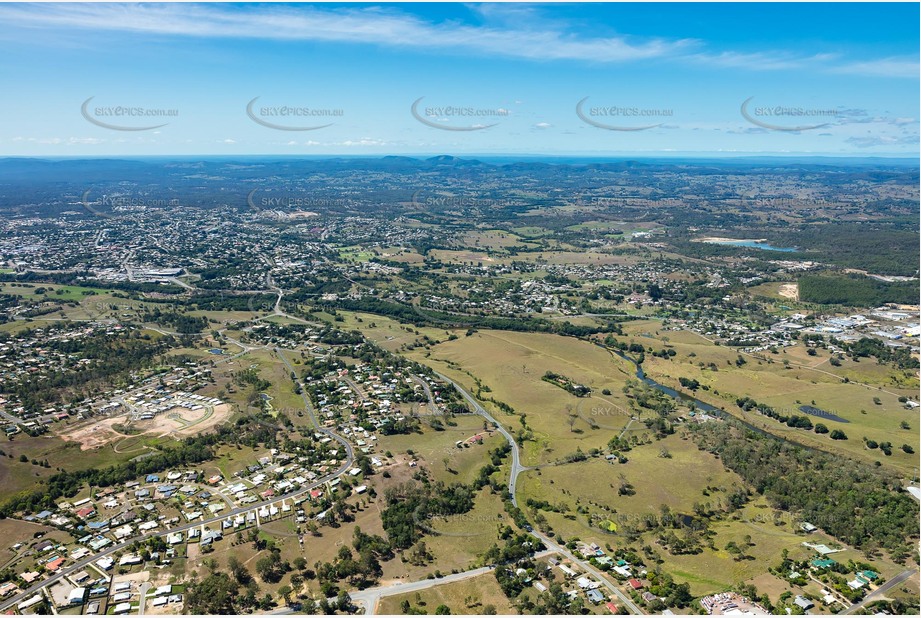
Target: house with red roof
<point x="54" y="565"/>
<point x="635" y="584"/>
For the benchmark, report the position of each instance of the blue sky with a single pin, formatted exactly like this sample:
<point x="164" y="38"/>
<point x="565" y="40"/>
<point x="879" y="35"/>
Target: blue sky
<point x="654" y="79"/>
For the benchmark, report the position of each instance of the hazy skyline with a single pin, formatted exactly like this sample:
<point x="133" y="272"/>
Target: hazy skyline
<point x="578" y="79"/>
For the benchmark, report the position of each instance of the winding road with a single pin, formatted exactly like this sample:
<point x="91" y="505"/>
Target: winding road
<point x="517" y="469"/>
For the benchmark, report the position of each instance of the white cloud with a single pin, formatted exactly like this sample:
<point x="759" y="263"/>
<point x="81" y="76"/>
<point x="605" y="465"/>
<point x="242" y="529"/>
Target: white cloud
<point x="69" y="141"/>
<point x="885" y="67"/>
<point x="510" y="31"/>
<point x="365" y="141"/>
<point x="871" y="141"/>
<point x="353" y="25"/>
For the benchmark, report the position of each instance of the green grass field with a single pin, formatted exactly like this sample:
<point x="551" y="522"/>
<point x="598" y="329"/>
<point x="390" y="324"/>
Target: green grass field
<point x="437" y="449"/>
<point x="52" y="291"/>
<point x="386" y="332"/>
<point x="808" y="379"/>
<point x="678" y="482"/>
<point x="512" y="365"/>
<point x="355" y="254"/>
<point x="18" y="476"/>
<point x="469" y="596"/>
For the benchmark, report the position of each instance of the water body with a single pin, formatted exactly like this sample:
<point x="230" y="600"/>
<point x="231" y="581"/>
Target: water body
<point x="813" y="411"/>
<point x="700" y="405"/>
<point x="751" y="244"/>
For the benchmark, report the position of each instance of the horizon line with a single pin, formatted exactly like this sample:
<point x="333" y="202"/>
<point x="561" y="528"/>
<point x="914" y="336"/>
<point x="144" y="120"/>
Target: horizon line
<point x="470" y="156"/>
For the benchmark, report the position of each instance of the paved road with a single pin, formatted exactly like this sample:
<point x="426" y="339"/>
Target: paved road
<point x="551" y="544"/>
<point x="428" y="392"/>
<point x="879" y="592"/>
<point x="370" y="597"/>
<point x="144" y="587"/>
<point x="516" y="462"/>
<point x="313" y="415"/>
<point x="517" y="469"/>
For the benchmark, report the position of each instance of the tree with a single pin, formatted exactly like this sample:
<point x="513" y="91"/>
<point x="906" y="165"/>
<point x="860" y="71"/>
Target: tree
<point x="216" y="594"/>
<point x="238" y="571"/>
<point x="285" y="593"/>
<point x="344" y="601"/>
<point x="735" y="550"/>
<point x="442" y="610"/>
<point x="270" y="567"/>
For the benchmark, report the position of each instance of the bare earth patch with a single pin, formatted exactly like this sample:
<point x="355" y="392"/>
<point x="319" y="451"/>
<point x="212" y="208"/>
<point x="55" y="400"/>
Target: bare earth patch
<point x="789" y="290"/>
<point x="178" y="422"/>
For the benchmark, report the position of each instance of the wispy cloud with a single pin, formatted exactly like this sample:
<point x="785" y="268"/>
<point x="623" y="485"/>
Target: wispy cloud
<point x="872" y="141"/>
<point x="373" y="25"/>
<point x="511" y="31"/>
<point x="57" y="141"/>
<point x="761" y="61"/>
<point x="885" y="67"/>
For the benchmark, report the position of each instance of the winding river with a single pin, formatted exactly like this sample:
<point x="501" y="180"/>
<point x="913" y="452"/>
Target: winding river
<point x="684" y="397"/>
